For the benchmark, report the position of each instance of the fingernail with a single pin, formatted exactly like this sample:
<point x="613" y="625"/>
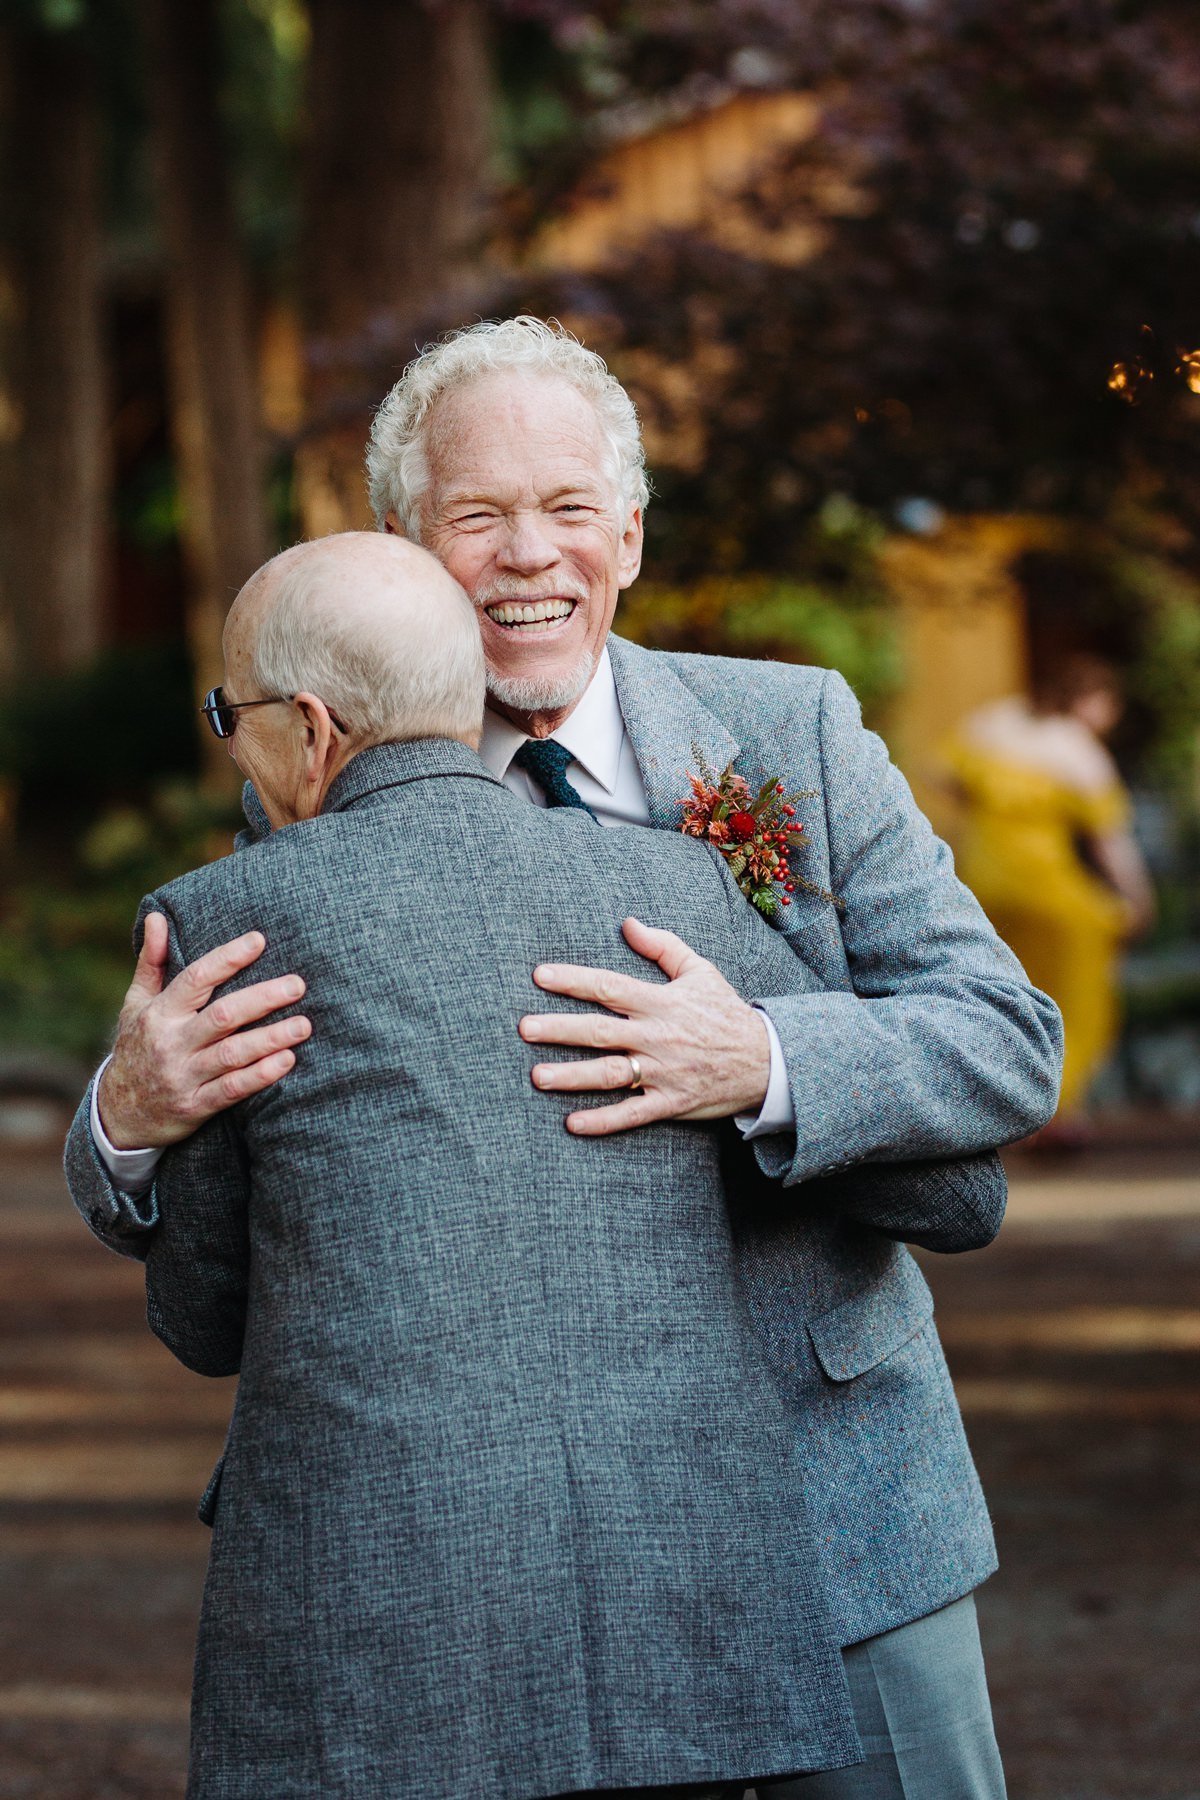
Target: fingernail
<point x="295" y="988"/>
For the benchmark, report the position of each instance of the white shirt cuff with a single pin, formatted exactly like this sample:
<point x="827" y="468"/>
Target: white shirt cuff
<point x="130" y="1171"/>
<point x="777" y="1112"/>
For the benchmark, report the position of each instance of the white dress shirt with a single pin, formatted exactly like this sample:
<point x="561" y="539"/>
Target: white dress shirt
<point x="131" y="1171"/>
<point x="605" y="773"/>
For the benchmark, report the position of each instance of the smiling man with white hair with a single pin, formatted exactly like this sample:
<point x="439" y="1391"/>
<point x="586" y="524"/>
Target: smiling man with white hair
<point x="512" y="453"/>
<point x="440" y="470"/>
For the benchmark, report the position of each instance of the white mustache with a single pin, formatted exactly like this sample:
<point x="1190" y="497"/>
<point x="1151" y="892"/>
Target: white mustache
<point x="512" y="588"/>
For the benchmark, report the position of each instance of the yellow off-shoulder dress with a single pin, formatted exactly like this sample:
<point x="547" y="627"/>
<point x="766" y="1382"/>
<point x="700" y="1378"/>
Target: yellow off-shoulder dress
<point x="1020" y="856"/>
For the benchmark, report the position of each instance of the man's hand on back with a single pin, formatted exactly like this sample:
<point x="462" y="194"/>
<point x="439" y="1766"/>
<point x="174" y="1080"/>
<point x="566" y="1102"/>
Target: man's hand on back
<point x="703" y="1053"/>
<point x="180" y="1056"/>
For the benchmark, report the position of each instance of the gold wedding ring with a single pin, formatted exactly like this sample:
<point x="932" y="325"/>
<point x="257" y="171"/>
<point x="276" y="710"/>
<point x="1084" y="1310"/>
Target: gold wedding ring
<point x="635" y="1080"/>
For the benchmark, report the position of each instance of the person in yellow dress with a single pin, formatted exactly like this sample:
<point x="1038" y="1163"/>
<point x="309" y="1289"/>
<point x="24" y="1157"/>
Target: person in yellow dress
<point x="1048" y="850"/>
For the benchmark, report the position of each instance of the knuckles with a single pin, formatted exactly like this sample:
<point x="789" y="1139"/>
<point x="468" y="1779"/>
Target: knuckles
<point x="193" y="981"/>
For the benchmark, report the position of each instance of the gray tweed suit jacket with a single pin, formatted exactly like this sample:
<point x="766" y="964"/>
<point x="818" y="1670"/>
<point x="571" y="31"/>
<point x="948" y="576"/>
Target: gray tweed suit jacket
<point x="920" y="1039"/>
<point x="511" y="1504"/>
<point x="910" y="1032"/>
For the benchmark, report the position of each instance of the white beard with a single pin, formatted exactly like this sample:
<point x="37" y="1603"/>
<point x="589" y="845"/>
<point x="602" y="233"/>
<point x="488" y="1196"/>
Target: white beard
<point x="535" y="694"/>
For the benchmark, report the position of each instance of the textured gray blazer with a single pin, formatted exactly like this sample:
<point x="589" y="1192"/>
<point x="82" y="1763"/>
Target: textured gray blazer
<point x="910" y="1032"/>
<point x="511" y="1504"/>
<point x="922" y="1039"/>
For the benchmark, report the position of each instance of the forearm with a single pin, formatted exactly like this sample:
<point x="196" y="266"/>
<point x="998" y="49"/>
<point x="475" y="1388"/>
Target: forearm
<point x="776" y="1113"/>
<point x="948" y="1205"/>
<point x="936" y="1074"/>
<point x="1120" y="861"/>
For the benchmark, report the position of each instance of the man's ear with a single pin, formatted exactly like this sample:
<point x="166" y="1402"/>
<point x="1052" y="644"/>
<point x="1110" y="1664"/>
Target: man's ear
<point x="391" y="524"/>
<point x="322" y="741"/>
<point x="629" y="555"/>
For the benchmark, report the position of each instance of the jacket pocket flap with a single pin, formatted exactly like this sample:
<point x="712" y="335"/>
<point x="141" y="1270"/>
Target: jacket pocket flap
<point x="864" y="1330"/>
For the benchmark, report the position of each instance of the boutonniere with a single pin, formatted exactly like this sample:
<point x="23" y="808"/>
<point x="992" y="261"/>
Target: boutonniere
<point x="755" y="834"/>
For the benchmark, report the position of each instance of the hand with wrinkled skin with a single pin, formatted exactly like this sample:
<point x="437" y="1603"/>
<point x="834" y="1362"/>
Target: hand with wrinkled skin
<point x="180" y="1056"/>
<point x="703" y="1053"/>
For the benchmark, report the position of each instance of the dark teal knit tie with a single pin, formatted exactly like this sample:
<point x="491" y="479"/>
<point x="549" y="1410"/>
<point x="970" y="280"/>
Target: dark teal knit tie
<point x="547" y="762"/>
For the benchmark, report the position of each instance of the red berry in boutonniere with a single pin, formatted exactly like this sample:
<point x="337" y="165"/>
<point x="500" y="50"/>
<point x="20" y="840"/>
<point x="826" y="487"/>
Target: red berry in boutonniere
<point x="753" y="833"/>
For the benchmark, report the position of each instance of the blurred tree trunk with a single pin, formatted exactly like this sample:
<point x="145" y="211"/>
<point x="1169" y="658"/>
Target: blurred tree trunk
<point x="214" y="397"/>
<point x="393" y="192"/>
<point x="53" y="456"/>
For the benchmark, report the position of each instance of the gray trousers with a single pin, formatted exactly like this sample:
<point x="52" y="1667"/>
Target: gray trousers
<point x="921" y="1706"/>
<point x="721" y="1792"/>
<point x="922" y="1710"/>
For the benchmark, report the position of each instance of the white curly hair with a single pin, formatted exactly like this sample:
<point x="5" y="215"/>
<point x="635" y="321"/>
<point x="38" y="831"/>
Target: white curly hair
<point x="397" y="467"/>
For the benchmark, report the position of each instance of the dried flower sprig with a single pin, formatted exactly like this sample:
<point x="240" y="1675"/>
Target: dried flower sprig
<point x="756" y="834"/>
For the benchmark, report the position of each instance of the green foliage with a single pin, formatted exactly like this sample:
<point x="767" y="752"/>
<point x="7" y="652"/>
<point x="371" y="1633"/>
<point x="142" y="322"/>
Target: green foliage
<point x="1000" y="315"/>
<point x="57" y="992"/>
<point x="832" y="609"/>
<point x="766" y="616"/>
<point x="266" y="47"/>
<point x="65" y="955"/>
<point x="1136" y="609"/>
<point x="62" y="15"/>
<point x="148" y="508"/>
<point x="1164" y="679"/>
<point x="117" y="727"/>
<point x="55" y="17"/>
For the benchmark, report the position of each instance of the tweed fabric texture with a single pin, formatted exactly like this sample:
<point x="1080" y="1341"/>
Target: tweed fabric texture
<point x="954" y="1051"/>
<point x="907" y="1027"/>
<point x="510" y="1504"/>
<point x="921" y="1038"/>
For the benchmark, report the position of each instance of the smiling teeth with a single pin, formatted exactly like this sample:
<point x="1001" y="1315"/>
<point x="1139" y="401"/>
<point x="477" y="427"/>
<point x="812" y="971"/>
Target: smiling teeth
<point x="539" y="612"/>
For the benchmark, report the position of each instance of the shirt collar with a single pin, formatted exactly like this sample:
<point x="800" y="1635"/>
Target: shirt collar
<point x="594" y="731"/>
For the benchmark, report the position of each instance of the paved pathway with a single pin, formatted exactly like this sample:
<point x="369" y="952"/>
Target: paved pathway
<point x="1076" y="1346"/>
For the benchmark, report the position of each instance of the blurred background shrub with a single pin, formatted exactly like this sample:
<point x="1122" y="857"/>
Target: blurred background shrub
<point x="66" y="920"/>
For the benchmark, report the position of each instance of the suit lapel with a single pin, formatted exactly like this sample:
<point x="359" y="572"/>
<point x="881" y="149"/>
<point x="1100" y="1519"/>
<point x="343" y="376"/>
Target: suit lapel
<point x="670" y="729"/>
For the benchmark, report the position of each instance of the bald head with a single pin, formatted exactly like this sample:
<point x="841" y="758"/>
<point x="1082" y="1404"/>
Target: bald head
<point x="372" y="625"/>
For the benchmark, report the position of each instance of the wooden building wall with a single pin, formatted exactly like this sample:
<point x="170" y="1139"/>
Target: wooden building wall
<point x="680" y="177"/>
